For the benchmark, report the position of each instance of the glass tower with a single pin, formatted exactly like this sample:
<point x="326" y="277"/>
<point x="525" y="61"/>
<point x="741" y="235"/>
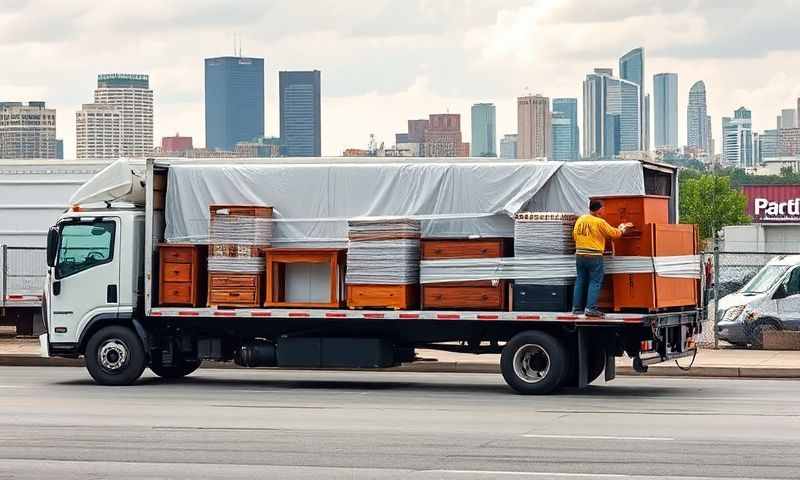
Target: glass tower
<point x="567" y="108"/>
<point x="299" y="93"/>
<point x="234" y="101"/>
<point x="483" y="130"/>
<point x="665" y="91"/>
<point x="631" y="68"/>
<point x="697" y="133"/>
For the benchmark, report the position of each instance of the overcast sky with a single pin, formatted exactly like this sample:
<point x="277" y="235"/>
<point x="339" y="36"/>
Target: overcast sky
<point x="385" y="61"/>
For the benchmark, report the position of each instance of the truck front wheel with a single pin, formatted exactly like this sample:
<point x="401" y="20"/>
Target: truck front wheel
<point x="534" y="363"/>
<point x="115" y="356"/>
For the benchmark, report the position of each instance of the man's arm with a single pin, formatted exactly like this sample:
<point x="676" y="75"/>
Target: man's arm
<point x="609" y="231"/>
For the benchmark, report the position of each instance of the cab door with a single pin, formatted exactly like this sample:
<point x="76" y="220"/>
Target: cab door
<point x="84" y="283"/>
<point x="789" y="306"/>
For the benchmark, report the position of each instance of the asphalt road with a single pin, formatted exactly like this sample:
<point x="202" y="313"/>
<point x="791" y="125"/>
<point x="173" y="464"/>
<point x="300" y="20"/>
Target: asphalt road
<point x="237" y="424"/>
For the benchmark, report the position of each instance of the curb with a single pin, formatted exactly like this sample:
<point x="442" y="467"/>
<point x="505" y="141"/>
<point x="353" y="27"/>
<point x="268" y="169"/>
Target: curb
<point x="462" y="367"/>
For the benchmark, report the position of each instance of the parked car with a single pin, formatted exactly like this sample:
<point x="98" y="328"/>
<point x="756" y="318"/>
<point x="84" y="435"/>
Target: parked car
<point x="769" y="301"/>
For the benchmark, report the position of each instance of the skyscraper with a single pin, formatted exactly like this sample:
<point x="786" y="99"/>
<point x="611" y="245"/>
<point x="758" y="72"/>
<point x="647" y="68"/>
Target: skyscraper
<point x="604" y="96"/>
<point x="646" y="122"/>
<point x="98" y="131"/>
<point x="484" y="138"/>
<point x="443" y="136"/>
<point x="787" y="118"/>
<point x="737" y="146"/>
<point x="508" y="146"/>
<point x="697" y="134"/>
<point x="631" y="68"/>
<point x="568" y="107"/>
<point x="710" y="150"/>
<point x="665" y="92"/>
<point x="27" y="131"/>
<point x="234" y="101"/>
<point x="131" y="96"/>
<point x="533" y="127"/>
<point x="300" y="115"/>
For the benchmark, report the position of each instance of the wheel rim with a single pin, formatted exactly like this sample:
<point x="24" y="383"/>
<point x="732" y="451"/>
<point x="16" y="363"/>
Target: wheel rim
<point x="531" y="363"/>
<point x="113" y="355"/>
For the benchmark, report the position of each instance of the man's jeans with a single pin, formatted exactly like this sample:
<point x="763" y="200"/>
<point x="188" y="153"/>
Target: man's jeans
<point x="588" y="282"/>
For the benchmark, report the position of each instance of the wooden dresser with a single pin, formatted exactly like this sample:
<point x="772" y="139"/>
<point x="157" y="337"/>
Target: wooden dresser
<point x="242" y="290"/>
<point x="480" y="295"/>
<point x="181" y="270"/>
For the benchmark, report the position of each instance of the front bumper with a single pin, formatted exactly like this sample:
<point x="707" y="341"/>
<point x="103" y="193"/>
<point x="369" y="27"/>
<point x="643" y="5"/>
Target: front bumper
<point x="732" y="332"/>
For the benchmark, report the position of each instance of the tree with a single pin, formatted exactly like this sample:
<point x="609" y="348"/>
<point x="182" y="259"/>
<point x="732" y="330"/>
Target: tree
<point x="710" y="202"/>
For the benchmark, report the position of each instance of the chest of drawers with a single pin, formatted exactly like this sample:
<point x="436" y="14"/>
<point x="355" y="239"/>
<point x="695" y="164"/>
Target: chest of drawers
<point x="181" y="270"/>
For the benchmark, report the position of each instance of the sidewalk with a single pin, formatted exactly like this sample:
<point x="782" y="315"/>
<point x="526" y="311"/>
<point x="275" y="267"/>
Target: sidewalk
<point x="709" y="363"/>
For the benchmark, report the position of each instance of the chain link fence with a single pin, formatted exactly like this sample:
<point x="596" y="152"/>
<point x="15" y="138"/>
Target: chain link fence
<point x="733" y="270"/>
<point x="23" y="272"/>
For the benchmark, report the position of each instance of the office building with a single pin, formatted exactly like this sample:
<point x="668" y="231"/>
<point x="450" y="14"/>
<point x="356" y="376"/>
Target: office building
<point x="260" y="147"/>
<point x="59" y="149"/>
<point x="98" y="132"/>
<point x="737" y="132"/>
<point x="603" y="97"/>
<point x="631" y="68"/>
<point x="176" y="144"/>
<point x="768" y="145"/>
<point x="709" y="150"/>
<point x="568" y="108"/>
<point x="131" y="96"/>
<point x="27" y="131"/>
<point x="234" y="101"/>
<point x="787" y="119"/>
<point x="484" y="137"/>
<point x="697" y="131"/>
<point x="300" y="113"/>
<point x="789" y="142"/>
<point x="646" y="123"/>
<point x="508" y="146"/>
<point x="665" y="93"/>
<point x="442" y="136"/>
<point x="533" y="127"/>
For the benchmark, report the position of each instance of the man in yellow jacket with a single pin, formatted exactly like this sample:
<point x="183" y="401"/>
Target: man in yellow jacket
<point x="590" y="234"/>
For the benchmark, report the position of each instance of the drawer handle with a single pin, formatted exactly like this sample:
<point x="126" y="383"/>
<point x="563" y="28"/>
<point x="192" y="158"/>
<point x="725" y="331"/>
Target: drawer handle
<point x="234" y="294"/>
<point x="437" y="250"/>
<point x="484" y="297"/>
<point x="438" y="297"/>
<point x="484" y="250"/>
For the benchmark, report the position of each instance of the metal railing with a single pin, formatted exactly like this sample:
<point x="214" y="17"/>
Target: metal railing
<point x="23" y="272"/>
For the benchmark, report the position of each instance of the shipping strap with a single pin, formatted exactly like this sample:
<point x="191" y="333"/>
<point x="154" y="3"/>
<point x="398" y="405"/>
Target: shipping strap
<point x="541" y="268"/>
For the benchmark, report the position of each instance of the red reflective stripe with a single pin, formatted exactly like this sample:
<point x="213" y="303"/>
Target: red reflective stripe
<point x="529" y="317"/>
<point x="408" y="316"/>
<point x="16" y="297"/>
<point x="188" y="313"/>
<point x="633" y="320"/>
<point x="261" y="314"/>
<point x="224" y="314"/>
<point x="373" y="315"/>
<point x="335" y="315"/>
<point x="155" y="314"/>
<point x="488" y="317"/>
<point x="299" y="314"/>
<point x="448" y="316"/>
<point x="566" y="317"/>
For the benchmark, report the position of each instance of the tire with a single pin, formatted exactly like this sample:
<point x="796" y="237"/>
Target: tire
<point x="534" y="363"/>
<point x="115" y="356"/>
<point x="756" y="332"/>
<point x="184" y="368"/>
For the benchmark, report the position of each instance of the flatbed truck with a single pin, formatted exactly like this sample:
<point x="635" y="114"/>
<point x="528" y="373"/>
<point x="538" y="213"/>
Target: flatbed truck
<point x="101" y="307"/>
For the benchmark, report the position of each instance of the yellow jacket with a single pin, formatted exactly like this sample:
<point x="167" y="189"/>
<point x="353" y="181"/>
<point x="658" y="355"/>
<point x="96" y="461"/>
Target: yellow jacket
<point x="590" y="234"/>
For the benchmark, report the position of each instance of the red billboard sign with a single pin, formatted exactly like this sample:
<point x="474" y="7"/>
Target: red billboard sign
<point x="773" y="203"/>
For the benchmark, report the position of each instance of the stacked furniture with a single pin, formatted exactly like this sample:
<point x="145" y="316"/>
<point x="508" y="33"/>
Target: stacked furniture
<point x="651" y="236"/>
<point x="473" y="295"/>
<point x="305" y="277"/>
<point x="238" y="237"/>
<point x="543" y="233"/>
<point x="383" y="263"/>
<point x="181" y="271"/>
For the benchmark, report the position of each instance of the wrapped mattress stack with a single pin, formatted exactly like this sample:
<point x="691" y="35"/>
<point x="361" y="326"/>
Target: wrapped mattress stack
<point x="238" y="237"/>
<point x="383" y="251"/>
<point x="544" y="233"/>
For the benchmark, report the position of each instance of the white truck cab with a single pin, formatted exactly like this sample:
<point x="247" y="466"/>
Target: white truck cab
<point x="769" y="301"/>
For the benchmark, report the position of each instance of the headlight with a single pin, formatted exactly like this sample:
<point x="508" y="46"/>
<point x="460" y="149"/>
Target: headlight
<point x="733" y="313"/>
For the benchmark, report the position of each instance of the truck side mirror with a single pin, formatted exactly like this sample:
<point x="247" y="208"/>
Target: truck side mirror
<point x="780" y="292"/>
<point x="52" y="246"/>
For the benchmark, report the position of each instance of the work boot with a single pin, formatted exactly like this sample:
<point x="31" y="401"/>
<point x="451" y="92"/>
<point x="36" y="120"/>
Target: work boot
<point x="577" y="312"/>
<point x="594" y="314"/>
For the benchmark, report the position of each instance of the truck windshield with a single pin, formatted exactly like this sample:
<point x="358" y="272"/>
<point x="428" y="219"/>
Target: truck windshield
<point x="83" y="246"/>
<point x="764" y="279"/>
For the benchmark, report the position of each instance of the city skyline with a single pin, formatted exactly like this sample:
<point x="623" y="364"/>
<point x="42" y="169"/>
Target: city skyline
<point x="56" y="64"/>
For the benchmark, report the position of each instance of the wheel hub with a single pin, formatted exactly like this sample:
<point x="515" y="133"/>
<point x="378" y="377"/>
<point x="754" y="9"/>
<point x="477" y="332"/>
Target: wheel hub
<point x="531" y="363"/>
<point x="113" y="355"/>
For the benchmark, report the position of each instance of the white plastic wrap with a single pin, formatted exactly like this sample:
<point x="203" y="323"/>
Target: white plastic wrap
<point x="236" y="264"/>
<point x="542" y="233"/>
<point x="313" y="201"/>
<point x="383" y="251"/>
<point x="550" y="269"/>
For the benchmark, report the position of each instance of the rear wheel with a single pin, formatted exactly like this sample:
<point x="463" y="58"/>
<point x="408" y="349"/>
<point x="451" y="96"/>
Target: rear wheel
<point x="115" y="356"/>
<point x="534" y="363"/>
<point x="183" y="368"/>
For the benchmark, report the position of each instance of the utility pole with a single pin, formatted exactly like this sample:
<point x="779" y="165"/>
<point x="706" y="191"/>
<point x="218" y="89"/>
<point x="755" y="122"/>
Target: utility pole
<point x="715" y="231"/>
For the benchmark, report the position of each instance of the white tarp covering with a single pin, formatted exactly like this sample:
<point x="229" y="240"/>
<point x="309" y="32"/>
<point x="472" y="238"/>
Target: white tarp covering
<point x="313" y="201"/>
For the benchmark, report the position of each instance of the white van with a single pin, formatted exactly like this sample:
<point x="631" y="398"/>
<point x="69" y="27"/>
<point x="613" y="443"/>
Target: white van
<point x="769" y="301"/>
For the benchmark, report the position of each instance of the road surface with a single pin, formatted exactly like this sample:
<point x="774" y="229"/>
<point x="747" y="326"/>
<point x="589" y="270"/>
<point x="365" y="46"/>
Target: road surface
<point x="242" y="424"/>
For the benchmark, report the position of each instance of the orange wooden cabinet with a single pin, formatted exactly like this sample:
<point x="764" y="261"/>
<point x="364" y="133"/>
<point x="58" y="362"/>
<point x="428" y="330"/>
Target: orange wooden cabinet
<point x="397" y="297"/>
<point x="636" y="209"/>
<point x="648" y="291"/>
<point x="181" y="268"/>
<point x="480" y="295"/>
<point x="242" y="290"/>
<point x="279" y="258"/>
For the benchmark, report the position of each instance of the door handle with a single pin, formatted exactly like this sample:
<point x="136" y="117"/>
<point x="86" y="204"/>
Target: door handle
<point x="56" y="288"/>
<point x="111" y="294"/>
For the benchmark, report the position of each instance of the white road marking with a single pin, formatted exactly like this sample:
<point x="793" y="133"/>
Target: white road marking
<point x="496" y="473"/>
<point x="600" y="437"/>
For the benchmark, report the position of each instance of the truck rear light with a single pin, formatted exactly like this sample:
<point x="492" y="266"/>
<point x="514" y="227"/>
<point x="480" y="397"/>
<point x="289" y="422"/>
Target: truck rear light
<point x="690" y="343"/>
<point x="646" y="346"/>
